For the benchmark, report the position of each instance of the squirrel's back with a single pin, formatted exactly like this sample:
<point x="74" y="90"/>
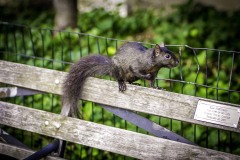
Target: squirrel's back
<point x="129" y="52"/>
<point x="131" y="48"/>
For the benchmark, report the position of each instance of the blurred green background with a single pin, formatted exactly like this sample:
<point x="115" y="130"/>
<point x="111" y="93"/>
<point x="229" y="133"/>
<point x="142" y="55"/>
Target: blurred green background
<point x="206" y="40"/>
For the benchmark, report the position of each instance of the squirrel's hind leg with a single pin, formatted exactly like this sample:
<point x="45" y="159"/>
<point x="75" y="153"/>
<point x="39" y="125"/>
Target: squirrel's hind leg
<point x="122" y="85"/>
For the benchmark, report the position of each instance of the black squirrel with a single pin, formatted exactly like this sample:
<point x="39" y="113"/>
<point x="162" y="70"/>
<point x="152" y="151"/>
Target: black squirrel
<point x="131" y="62"/>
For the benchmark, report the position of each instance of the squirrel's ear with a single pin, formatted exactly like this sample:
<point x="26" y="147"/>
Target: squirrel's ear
<point x="162" y="44"/>
<point x="157" y="50"/>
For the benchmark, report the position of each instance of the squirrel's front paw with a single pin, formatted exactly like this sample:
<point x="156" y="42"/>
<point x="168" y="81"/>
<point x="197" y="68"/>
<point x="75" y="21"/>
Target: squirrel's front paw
<point x="158" y="88"/>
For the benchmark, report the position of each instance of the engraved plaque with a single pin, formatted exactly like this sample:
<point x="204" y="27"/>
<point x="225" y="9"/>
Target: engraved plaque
<point x="217" y="113"/>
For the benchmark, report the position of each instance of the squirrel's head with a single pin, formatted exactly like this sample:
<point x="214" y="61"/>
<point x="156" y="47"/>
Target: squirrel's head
<point x="164" y="57"/>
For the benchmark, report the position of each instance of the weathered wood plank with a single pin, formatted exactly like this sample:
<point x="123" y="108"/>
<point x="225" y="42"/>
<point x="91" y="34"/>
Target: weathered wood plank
<point x="20" y="153"/>
<point x="103" y="137"/>
<point x="142" y="99"/>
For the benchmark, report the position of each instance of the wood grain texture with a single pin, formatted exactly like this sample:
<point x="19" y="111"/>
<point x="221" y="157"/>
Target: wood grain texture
<point x="20" y="153"/>
<point x="137" y="98"/>
<point x="103" y="137"/>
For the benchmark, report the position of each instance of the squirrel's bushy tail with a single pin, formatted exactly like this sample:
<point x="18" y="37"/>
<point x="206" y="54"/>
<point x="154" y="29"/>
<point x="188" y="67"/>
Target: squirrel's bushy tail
<point x="73" y="84"/>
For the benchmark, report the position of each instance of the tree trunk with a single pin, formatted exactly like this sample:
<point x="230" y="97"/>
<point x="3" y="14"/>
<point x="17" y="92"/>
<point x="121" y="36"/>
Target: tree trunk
<point x="65" y="14"/>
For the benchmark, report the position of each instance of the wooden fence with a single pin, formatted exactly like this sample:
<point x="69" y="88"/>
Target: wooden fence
<point x="141" y="99"/>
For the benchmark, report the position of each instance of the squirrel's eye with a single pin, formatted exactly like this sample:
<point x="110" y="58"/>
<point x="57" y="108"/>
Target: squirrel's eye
<point x="167" y="56"/>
